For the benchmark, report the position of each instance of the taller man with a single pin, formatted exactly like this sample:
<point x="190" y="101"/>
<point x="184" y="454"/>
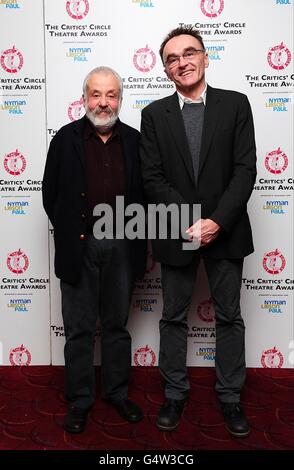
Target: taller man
<point x="198" y="147"/>
<point x="91" y="161"/>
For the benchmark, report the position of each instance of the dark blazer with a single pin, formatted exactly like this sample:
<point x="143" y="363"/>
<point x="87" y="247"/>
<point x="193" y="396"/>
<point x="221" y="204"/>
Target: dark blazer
<point x="227" y="170"/>
<point x="65" y="196"/>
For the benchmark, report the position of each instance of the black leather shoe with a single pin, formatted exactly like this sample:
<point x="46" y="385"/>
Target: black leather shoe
<point x="128" y="410"/>
<point x="170" y="414"/>
<point x="235" y="420"/>
<point x="75" y="420"/>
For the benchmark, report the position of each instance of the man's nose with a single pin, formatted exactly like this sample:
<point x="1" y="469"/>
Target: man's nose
<point x="103" y="102"/>
<point x="182" y="61"/>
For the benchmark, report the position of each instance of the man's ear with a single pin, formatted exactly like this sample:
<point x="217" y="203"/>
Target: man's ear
<point x="85" y="99"/>
<point x="206" y="60"/>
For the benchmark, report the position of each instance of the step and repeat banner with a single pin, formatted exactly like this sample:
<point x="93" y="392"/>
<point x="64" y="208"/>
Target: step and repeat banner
<point x="46" y="49"/>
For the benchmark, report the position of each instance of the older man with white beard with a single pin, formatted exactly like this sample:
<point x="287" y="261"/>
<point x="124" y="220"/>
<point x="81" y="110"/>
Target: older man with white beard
<point x="91" y="161"/>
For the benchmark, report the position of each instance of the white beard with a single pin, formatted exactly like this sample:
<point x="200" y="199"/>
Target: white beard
<point x="103" y="125"/>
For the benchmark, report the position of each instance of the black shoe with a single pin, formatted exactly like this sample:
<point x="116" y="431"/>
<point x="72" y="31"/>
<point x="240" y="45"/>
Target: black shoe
<point x="128" y="410"/>
<point x="235" y="419"/>
<point x="170" y="414"/>
<point x="76" y="419"/>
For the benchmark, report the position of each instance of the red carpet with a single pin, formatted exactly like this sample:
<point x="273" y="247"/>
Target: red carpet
<point x="32" y="411"/>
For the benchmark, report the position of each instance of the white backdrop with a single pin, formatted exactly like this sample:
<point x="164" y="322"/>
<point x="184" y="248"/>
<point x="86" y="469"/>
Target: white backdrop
<point x="47" y="47"/>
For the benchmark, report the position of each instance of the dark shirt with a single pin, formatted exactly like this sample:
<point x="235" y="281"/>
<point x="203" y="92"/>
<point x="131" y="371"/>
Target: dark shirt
<point x="105" y="169"/>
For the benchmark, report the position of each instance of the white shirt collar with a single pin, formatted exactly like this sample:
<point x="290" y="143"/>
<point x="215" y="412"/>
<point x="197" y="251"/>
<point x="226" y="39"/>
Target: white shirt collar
<point x="184" y="99"/>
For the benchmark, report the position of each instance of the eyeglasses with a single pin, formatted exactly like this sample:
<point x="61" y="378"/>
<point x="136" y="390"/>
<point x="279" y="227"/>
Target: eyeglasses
<point x="174" y="60"/>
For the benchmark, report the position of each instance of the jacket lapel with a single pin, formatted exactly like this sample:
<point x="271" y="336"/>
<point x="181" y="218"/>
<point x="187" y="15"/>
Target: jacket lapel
<point x="127" y="145"/>
<point x="176" y="124"/>
<point x="211" y="116"/>
<point x="78" y="140"/>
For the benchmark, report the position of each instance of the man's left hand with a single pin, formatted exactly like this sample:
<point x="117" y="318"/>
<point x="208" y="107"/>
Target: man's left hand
<point x="204" y="231"/>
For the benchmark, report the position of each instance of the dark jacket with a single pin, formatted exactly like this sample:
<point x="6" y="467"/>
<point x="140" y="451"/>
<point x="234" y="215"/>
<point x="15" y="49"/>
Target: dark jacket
<point x="65" y="196"/>
<point x="227" y="170"/>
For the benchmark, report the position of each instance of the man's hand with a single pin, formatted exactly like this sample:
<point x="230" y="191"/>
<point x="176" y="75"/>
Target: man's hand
<point x="204" y="231"/>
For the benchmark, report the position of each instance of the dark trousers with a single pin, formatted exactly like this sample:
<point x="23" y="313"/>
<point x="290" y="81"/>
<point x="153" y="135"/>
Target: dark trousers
<point x="104" y="290"/>
<point x="224" y="278"/>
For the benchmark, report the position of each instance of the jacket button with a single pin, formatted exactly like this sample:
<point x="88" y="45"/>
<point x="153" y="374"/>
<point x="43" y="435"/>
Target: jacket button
<point x="83" y="216"/>
<point x="82" y="236"/>
<point x="83" y="194"/>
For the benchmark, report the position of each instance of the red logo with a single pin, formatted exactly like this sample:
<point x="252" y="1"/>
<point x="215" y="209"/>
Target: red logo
<point x="15" y="163"/>
<point x="279" y="57"/>
<point x="11" y="60"/>
<point x="272" y="358"/>
<point x="75" y="110"/>
<point x="205" y="311"/>
<point x="144" y="59"/>
<point x="144" y="357"/>
<point x="20" y="356"/>
<point x="17" y="262"/>
<point x="274" y="262"/>
<point x="212" y="8"/>
<point x="276" y="161"/>
<point x="77" y="9"/>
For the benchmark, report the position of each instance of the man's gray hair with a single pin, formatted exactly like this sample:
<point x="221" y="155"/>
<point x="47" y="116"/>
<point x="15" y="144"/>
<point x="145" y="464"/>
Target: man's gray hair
<point x="102" y="69"/>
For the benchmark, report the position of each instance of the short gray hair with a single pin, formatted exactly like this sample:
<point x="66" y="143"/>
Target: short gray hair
<point x="102" y="69"/>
